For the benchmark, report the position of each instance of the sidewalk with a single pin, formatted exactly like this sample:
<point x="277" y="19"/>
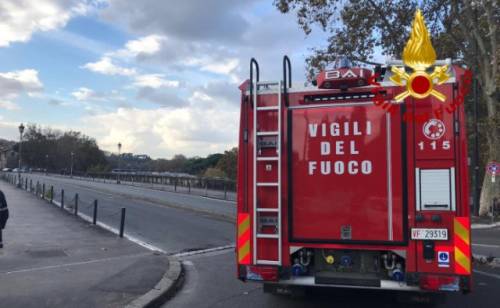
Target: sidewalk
<point x="485" y="222"/>
<point x="53" y="259"/>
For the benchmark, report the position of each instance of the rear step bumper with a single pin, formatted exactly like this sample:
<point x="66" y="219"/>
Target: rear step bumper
<point x="353" y="279"/>
<point x="310" y="281"/>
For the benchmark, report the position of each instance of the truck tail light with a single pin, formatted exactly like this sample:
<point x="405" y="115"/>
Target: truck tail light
<point x="262" y="273"/>
<point x="439" y="283"/>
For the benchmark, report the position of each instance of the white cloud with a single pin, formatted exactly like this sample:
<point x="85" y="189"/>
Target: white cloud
<point x="165" y="132"/>
<point x="218" y="39"/>
<point x="85" y="94"/>
<point x="144" y="46"/>
<point x="27" y="79"/>
<point x="7" y="105"/>
<point x="19" y="19"/>
<point x="193" y="19"/>
<point x="206" y="126"/>
<point x="155" y="81"/>
<point x="224" y="67"/>
<point x="15" y="83"/>
<point x="107" y="67"/>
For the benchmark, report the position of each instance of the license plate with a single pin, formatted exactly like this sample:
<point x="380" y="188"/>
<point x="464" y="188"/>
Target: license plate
<point x="429" y="234"/>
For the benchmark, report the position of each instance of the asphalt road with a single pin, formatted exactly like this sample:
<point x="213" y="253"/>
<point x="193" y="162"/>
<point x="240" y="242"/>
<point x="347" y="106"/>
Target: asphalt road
<point x="486" y="242"/>
<point x="178" y="223"/>
<point x="170" y="221"/>
<point x="202" y="271"/>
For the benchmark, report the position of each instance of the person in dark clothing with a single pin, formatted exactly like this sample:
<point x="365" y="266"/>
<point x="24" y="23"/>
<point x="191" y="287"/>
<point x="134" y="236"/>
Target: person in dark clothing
<point x="4" y="215"/>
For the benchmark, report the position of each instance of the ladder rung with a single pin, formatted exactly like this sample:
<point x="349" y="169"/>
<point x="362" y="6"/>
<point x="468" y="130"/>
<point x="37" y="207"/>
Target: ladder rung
<point x="269" y="184"/>
<point x="274" y="158"/>
<point x="267" y="83"/>
<point x="268" y="262"/>
<point x="267" y="133"/>
<point x="261" y="235"/>
<point x="267" y="108"/>
<point x="267" y="210"/>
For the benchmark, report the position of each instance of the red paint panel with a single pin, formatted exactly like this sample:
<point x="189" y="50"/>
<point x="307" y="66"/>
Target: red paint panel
<point x="434" y="128"/>
<point x="340" y="174"/>
<point x="267" y="197"/>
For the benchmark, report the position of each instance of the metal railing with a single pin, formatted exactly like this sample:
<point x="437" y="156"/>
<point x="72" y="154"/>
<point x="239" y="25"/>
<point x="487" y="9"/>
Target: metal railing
<point x="202" y="186"/>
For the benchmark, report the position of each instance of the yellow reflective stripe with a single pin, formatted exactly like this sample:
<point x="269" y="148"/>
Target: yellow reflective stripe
<point x="244" y="225"/>
<point x="462" y="259"/>
<point x="461" y="231"/>
<point x="244" y="251"/>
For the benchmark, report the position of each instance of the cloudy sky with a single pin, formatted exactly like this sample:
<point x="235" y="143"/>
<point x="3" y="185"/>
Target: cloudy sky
<point x="161" y="77"/>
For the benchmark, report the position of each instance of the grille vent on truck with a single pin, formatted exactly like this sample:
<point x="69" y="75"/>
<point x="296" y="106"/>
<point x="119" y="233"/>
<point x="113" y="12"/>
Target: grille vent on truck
<point x="335" y="97"/>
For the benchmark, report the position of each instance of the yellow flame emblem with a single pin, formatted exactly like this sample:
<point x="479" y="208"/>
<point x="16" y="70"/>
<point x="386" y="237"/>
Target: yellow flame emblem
<point x="419" y="55"/>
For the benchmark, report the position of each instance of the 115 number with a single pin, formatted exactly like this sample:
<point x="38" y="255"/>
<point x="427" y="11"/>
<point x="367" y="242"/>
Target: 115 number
<point x="445" y="145"/>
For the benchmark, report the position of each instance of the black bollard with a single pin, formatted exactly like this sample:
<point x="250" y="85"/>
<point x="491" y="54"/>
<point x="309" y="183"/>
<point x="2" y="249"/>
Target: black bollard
<point x="51" y="194"/>
<point x="62" y="199"/>
<point x="122" y="222"/>
<point x="94" y="218"/>
<point x="76" y="204"/>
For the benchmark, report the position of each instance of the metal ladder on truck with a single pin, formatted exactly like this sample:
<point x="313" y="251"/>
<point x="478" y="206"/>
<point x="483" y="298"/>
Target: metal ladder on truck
<point x="276" y="186"/>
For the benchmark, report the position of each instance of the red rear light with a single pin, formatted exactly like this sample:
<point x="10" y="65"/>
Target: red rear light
<point x="439" y="283"/>
<point x="262" y="273"/>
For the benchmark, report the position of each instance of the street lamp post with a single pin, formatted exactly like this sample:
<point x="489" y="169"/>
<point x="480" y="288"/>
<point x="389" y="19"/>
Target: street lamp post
<point x="21" y="131"/>
<point x="119" y="162"/>
<point x="72" y="157"/>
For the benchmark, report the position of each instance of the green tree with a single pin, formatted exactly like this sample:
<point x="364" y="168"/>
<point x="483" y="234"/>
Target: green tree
<point x="51" y="149"/>
<point x="214" y="173"/>
<point x="461" y="29"/>
<point x="228" y="163"/>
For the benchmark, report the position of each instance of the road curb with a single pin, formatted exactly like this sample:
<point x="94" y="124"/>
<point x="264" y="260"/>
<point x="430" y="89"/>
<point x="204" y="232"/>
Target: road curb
<point x="484" y="226"/>
<point x="166" y="288"/>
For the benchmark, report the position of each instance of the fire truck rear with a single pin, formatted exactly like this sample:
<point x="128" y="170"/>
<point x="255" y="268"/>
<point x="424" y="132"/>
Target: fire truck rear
<point x="339" y="185"/>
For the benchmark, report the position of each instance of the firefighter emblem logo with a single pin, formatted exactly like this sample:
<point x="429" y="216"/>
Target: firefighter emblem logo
<point x="434" y="129"/>
<point x="419" y="55"/>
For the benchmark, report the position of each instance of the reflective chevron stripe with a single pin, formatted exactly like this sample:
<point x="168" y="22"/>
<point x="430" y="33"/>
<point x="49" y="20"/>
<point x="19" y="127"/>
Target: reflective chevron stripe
<point x="243" y="238"/>
<point x="461" y="238"/>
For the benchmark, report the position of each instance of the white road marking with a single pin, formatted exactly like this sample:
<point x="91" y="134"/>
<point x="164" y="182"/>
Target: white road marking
<point x="487" y="274"/>
<point x="217" y="199"/>
<point x="75" y="263"/>
<point x="203" y="251"/>
<point x="486" y="245"/>
<point x="116" y="231"/>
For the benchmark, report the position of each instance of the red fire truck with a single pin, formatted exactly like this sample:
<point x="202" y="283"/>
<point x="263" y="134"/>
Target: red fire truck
<point x="340" y="188"/>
